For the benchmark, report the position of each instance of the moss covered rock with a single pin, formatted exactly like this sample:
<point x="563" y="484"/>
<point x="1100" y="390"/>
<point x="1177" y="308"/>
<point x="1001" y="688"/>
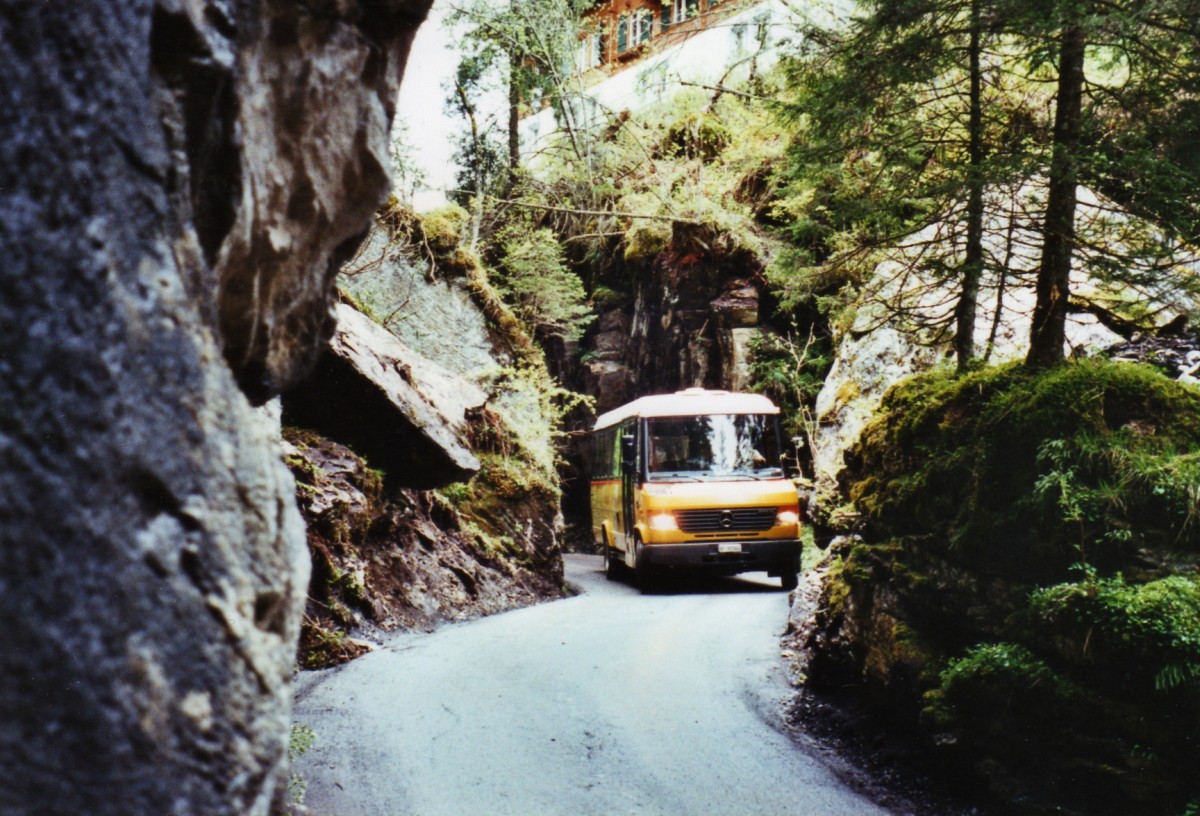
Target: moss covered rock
<point x="1025" y="591"/>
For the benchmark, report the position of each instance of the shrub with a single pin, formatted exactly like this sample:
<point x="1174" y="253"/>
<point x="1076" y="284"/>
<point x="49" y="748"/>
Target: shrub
<point x="1134" y="638"/>
<point x="548" y="296"/>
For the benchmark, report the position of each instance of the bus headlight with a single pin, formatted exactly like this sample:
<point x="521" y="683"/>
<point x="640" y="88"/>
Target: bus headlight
<point x="788" y="515"/>
<point x="663" y="521"/>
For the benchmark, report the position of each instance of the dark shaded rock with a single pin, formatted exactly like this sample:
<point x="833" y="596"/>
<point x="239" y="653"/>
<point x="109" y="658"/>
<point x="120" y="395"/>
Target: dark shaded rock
<point x="177" y="181"/>
<point x="612" y="384"/>
<point x="402" y="412"/>
<point x="737" y="307"/>
<point x="405" y="559"/>
<point x="681" y="329"/>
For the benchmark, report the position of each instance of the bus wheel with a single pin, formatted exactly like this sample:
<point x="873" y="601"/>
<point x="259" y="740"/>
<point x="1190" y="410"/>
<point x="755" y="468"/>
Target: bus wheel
<point x="612" y="564"/>
<point x="647" y="576"/>
<point x="789" y="578"/>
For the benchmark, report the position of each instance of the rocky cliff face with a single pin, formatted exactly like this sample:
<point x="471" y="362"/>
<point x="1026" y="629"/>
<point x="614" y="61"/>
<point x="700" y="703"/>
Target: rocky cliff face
<point x="376" y="419"/>
<point x="692" y="313"/>
<point x="178" y="181"/>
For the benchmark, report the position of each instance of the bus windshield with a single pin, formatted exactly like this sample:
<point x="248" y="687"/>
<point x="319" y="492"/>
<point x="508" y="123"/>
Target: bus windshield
<point x="718" y="445"/>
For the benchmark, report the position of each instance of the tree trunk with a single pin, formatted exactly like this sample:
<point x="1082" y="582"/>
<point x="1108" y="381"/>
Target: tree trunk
<point x="477" y="152"/>
<point x="514" y="132"/>
<point x="1058" y="233"/>
<point x="972" y="269"/>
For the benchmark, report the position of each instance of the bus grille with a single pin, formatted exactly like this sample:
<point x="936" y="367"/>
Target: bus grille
<point x="728" y="520"/>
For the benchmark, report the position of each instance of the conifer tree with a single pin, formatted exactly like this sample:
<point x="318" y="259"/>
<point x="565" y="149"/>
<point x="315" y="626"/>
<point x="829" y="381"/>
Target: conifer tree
<point x="1109" y="59"/>
<point x="913" y="110"/>
<point x="901" y="92"/>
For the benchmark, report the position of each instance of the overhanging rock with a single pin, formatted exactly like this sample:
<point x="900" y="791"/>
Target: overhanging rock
<point x="401" y="412"/>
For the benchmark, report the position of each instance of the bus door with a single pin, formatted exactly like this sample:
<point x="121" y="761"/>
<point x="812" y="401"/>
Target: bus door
<point x="629" y="479"/>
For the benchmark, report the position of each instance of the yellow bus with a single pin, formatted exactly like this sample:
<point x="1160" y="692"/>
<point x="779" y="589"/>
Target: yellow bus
<point x="693" y="481"/>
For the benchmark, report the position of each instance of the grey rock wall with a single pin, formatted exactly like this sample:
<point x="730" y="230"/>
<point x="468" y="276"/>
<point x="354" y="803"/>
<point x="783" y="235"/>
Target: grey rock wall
<point x="178" y="181"/>
<point x="404" y="413"/>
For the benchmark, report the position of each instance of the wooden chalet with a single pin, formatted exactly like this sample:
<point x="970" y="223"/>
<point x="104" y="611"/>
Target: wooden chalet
<point x="617" y="32"/>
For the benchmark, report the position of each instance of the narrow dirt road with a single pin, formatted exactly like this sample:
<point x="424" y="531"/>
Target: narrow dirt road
<point x="606" y="703"/>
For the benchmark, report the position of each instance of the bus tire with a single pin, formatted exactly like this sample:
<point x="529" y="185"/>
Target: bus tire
<point x="612" y="564"/>
<point x="647" y="576"/>
<point x="789" y="577"/>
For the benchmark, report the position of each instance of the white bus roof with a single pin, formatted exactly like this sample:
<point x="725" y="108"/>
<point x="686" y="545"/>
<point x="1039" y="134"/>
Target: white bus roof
<point x="692" y="402"/>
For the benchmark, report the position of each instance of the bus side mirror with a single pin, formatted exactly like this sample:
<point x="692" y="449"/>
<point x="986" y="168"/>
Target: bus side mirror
<point x="628" y="452"/>
<point x="791" y="460"/>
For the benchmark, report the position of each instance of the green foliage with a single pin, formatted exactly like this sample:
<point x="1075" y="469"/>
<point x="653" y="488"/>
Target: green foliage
<point x="1095" y="479"/>
<point x="636" y="167"/>
<point x="1018" y="471"/>
<point x="1142" y="636"/>
<point x="921" y="112"/>
<point x="698" y="135"/>
<point x="322" y="647"/>
<point x="548" y="296"/>
<point x="789" y="371"/>
<point x="407" y="175"/>
<point x="533" y="407"/>
<point x="994" y="674"/>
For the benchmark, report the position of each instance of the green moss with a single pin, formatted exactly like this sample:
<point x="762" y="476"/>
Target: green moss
<point x="645" y="239"/>
<point x="455" y="494"/>
<point x="442" y="229"/>
<point x="605" y="298"/>
<point x="848" y="392"/>
<point x="835" y="591"/>
<point x="1027" y="473"/>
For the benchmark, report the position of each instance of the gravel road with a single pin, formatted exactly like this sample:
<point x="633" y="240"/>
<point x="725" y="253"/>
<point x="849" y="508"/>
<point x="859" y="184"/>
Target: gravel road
<point x="606" y="703"/>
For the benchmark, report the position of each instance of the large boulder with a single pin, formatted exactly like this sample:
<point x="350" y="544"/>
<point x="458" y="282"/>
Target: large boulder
<point x="178" y="180"/>
<point x="1027" y="538"/>
<point x="402" y="412"/>
<point x="901" y="320"/>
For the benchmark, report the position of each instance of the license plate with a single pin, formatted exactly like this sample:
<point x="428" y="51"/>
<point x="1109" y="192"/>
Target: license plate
<point x="729" y="548"/>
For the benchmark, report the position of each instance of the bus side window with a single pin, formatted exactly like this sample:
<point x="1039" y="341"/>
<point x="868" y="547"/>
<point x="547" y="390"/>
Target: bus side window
<point x="602" y="454"/>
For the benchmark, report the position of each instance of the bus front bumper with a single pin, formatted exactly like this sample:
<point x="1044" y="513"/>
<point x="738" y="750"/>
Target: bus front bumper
<point x="727" y="557"/>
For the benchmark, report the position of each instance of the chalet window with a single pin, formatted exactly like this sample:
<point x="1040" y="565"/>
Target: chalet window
<point x="590" y="52"/>
<point x="640" y="24"/>
<point x="633" y="29"/>
<point x="683" y="9"/>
